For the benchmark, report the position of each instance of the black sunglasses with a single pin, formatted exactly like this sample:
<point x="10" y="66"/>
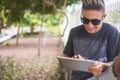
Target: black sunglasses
<point x="85" y="20"/>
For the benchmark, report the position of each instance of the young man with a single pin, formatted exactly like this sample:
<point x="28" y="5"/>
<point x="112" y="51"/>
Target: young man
<point x="94" y="40"/>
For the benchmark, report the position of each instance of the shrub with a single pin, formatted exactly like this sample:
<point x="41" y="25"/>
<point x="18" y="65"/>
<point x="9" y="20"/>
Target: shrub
<point x="40" y="69"/>
<point x="36" y="68"/>
<point x="8" y="70"/>
<point x="7" y="43"/>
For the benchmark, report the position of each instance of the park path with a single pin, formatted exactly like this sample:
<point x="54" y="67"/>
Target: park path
<point x="27" y="47"/>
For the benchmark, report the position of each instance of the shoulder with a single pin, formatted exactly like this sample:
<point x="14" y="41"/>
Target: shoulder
<point x="77" y="29"/>
<point x="109" y="27"/>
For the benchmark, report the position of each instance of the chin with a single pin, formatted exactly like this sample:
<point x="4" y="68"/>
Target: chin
<point x="91" y="32"/>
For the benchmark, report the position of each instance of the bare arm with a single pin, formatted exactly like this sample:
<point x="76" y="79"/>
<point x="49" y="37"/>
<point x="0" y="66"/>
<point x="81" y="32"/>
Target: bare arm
<point x="98" y="68"/>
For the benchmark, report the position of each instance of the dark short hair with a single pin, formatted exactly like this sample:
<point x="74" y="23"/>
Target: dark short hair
<point x="93" y="5"/>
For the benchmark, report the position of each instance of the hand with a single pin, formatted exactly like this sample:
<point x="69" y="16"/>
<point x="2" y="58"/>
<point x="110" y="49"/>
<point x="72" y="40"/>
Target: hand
<point x="97" y="69"/>
<point x="77" y="56"/>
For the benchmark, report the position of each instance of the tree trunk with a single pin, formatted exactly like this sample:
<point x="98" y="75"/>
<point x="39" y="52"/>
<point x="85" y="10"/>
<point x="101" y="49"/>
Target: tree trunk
<point x="0" y="30"/>
<point x="42" y="19"/>
<point x="31" y="30"/>
<point x="17" y="37"/>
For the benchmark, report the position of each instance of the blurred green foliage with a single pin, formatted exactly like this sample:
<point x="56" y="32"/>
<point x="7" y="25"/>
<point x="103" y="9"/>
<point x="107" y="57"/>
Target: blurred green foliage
<point x="114" y="15"/>
<point x="29" y="12"/>
<point x="12" y="11"/>
<point x="7" y="43"/>
<point x="8" y="70"/>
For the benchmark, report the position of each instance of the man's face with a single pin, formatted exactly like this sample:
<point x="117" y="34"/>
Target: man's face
<point x="92" y="20"/>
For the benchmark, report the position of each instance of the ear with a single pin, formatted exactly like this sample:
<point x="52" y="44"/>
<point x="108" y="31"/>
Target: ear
<point x="104" y="16"/>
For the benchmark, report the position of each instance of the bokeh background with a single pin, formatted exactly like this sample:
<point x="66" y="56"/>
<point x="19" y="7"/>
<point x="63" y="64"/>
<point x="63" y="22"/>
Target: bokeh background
<point x="34" y="32"/>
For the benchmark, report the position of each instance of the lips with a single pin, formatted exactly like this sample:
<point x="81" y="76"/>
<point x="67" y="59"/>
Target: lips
<point x="90" y="29"/>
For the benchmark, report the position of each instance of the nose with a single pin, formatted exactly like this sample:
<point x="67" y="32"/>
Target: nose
<point x="90" y="25"/>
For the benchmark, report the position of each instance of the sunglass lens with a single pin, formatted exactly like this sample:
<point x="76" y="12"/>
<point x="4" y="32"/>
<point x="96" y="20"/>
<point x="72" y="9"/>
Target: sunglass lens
<point x="84" y="20"/>
<point x="95" y="22"/>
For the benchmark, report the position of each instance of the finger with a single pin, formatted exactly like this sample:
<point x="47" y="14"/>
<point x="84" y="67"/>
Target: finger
<point x="96" y="63"/>
<point x="75" y="56"/>
<point x="97" y="73"/>
<point x="80" y="57"/>
<point x="90" y="69"/>
<point x="97" y="69"/>
<point x="93" y="69"/>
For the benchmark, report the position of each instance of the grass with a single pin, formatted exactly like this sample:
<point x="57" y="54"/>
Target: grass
<point x="36" y="68"/>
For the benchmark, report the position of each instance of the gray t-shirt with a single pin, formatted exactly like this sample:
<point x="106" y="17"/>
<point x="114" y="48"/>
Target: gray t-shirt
<point x="100" y="46"/>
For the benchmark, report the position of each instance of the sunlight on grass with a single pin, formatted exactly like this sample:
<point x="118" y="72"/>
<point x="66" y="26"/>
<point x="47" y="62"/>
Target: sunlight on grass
<point x="36" y="68"/>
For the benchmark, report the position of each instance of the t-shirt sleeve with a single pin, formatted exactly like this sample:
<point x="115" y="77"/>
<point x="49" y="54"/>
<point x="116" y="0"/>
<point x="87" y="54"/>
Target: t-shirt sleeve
<point x="68" y="50"/>
<point x="113" y="44"/>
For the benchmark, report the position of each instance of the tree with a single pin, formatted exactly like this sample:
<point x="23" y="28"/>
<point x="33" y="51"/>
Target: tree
<point x="13" y="11"/>
<point x="48" y="7"/>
